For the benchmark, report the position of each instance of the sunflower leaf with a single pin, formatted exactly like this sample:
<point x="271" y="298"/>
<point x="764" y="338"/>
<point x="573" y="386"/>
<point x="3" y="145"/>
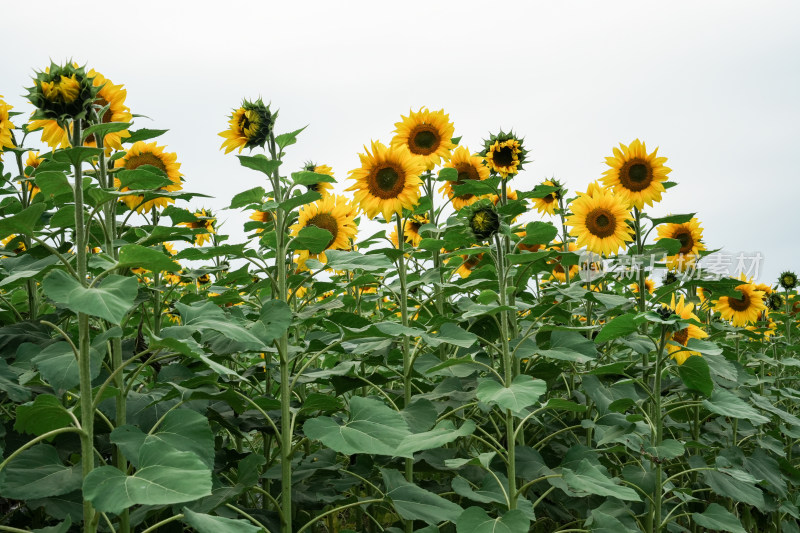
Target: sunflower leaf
<point x="105" y="128"/>
<point x="302" y="199"/>
<point x="143" y="134"/>
<point x="250" y="196"/>
<point x="672" y="219"/>
<point x="306" y="177"/>
<point x="287" y="139"/>
<point x="143" y="178"/>
<point x="259" y="162"/>
<point x="311" y="238"/>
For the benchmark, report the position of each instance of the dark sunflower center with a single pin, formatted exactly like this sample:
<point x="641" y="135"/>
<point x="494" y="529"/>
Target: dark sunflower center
<point x="549" y="199"/>
<point x="466" y="172"/>
<point x="424" y="140"/>
<point x="636" y="175"/>
<point x="601" y="222"/>
<point x="314" y="187"/>
<point x="386" y="182"/>
<point x="145" y="159"/>
<point x="687" y="242"/>
<point x="681" y="337"/>
<point x="327" y="222"/>
<point x="504" y="157"/>
<point x="739" y="304"/>
<point x="472" y="261"/>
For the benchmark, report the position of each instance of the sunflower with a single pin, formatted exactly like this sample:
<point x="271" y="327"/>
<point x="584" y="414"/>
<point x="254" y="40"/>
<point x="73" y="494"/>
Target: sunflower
<point x="411" y="230"/>
<point x="427" y="135"/>
<point x="690" y="235"/>
<point x="249" y="127"/>
<point x="33" y="161"/>
<point x="557" y="268"/>
<point x="62" y="93"/>
<point x="468" y="263"/>
<point x="150" y="154"/>
<point x="332" y="214"/>
<point x="264" y="217"/>
<point x="788" y="280"/>
<point x="504" y="154"/>
<point x="635" y="176"/>
<point x="205" y="220"/>
<point x="600" y="221"/>
<point x="484" y="221"/>
<point x="677" y="345"/>
<point x="6" y="125"/>
<point x="743" y="310"/>
<point x="649" y="284"/>
<point x="547" y="204"/>
<point x="323" y="187"/>
<point x="388" y="180"/>
<point x="112" y="96"/>
<point x="469" y="167"/>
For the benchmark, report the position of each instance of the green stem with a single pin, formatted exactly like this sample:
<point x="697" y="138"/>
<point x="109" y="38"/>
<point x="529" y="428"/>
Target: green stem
<point x="409" y="463"/>
<point x="659" y="429"/>
<point x="84" y="362"/>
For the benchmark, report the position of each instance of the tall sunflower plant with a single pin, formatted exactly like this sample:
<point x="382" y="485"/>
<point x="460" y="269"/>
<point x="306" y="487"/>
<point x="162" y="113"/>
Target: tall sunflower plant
<point x="505" y="354"/>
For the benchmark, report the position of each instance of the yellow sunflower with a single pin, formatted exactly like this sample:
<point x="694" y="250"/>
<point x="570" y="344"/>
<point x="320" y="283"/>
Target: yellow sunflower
<point x="204" y="220"/>
<point x="323" y="187"/>
<point x="504" y="154"/>
<point x="33" y="161"/>
<point x="743" y="310"/>
<point x="690" y="235"/>
<point x="411" y="230"/>
<point x="547" y="204"/>
<point x="649" y="284"/>
<point x="467" y="264"/>
<point x="249" y="127"/>
<point x="332" y="214"/>
<point x="109" y="95"/>
<point x="5" y="125"/>
<point x="600" y="221"/>
<point x="636" y="176"/>
<point x="469" y="167"/>
<point x="558" y="269"/>
<point x="388" y="180"/>
<point x="427" y="135"/>
<point x="150" y="154"/>
<point x="677" y="345"/>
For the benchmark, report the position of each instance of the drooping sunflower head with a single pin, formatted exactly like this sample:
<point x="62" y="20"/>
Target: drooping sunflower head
<point x="249" y="127"/>
<point x="636" y="176"/>
<point x="140" y="154"/>
<point x="649" y="284"/>
<point x="333" y="214"/>
<point x="111" y="101"/>
<point x="388" y="180"/>
<point x="504" y="153"/>
<point x="323" y="187"/>
<point x="774" y="301"/>
<point x="788" y="280"/>
<point x="599" y="220"/>
<point x="204" y="219"/>
<point x="427" y="135"/>
<point x="742" y="310"/>
<point x="690" y="235"/>
<point x="62" y="93"/>
<point x="669" y="278"/>
<point x="6" y="125"/>
<point x="483" y="220"/>
<point x="411" y="227"/>
<point x="469" y="167"/>
<point x="679" y="339"/>
<point x="548" y="203"/>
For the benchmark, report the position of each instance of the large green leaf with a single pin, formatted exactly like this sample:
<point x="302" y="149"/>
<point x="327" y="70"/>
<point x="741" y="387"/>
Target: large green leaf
<point x="25" y="267"/>
<point x="259" y="162"/>
<point x="570" y="346"/>
<point x="250" y="196"/>
<point x="343" y="260"/>
<point x="59" y="367"/>
<point x="38" y="473"/>
<point x="143" y="178"/>
<point x="444" y="433"/>
<point x="725" y="403"/>
<point x="203" y="523"/>
<point x="450" y="333"/>
<point x="276" y="317"/>
<point x="618" y="327"/>
<point x="523" y="392"/>
<point x="311" y="238"/>
<point x="736" y="489"/>
<point x="23" y="222"/>
<point x="133" y="255"/>
<point x="696" y="376"/>
<point x="111" y="300"/>
<point x="182" y="429"/>
<point x="475" y="520"/>
<point x="372" y="428"/>
<point x="589" y="479"/>
<point x="165" y="476"/>
<point x="718" y="518"/>
<point x="414" y="503"/>
<point x="44" y="414"/>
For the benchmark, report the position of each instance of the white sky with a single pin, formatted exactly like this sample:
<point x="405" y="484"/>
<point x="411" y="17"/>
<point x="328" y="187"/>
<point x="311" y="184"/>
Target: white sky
<point x="714" y="84"/>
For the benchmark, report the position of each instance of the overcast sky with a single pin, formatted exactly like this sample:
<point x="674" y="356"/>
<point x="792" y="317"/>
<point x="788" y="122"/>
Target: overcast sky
<point x="715" y="85"/>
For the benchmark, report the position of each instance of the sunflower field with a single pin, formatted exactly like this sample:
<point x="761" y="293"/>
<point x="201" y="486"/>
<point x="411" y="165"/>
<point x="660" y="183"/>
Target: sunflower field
<point x="428" y="348"/>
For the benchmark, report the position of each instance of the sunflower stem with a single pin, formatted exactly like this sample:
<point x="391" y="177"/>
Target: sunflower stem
<point x="659" y="430"/>
<point x="437" y="263"/>
<point x="283" y="351"/>
<point x="87" y="412"/>
<point x="409" y="463"/>
<point x="110" y="221"/>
